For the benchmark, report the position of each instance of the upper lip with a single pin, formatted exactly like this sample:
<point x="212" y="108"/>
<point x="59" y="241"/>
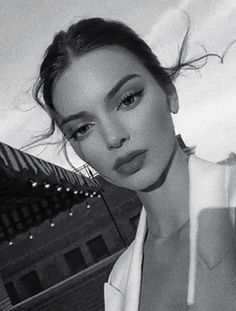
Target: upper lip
<point x="126" y="158"/>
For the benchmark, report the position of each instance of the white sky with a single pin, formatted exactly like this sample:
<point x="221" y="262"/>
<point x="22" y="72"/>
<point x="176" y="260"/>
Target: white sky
<point x="208" y="102"/>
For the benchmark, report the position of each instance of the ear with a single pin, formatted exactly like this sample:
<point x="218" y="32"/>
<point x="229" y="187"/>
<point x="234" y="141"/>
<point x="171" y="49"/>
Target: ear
<point x="174" y="103"/>
<point x="172" y="97"/>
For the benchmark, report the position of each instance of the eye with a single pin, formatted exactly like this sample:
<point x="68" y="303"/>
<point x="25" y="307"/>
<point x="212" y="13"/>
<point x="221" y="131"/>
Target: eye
<point x="130" y="99"/>
<point x="81" y="131"/>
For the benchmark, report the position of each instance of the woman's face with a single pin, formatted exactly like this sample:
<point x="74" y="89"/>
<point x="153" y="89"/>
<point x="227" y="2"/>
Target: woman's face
<point x="116" y="116"/>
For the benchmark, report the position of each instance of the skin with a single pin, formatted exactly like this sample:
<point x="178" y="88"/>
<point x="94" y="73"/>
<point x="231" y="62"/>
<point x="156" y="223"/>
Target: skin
<point x="137" y="116"/>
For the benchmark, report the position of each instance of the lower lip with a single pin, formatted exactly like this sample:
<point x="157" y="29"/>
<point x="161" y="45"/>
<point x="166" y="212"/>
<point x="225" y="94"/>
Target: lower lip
<point x="133" y="165"/>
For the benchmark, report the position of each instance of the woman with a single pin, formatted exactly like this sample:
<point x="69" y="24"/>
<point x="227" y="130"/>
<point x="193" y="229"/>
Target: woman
<point x="109" y="95"/>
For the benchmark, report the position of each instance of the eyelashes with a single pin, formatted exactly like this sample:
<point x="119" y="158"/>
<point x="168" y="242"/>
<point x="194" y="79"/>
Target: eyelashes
<point x="127" y="101"/>
<point x="81" y="131"/>
<point x="130" y="99"/>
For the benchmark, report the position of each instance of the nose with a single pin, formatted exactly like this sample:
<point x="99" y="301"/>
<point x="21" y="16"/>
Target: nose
<point x="115" y="134"/>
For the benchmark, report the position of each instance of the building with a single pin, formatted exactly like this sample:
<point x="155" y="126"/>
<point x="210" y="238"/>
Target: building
<point x="60" y="234"/>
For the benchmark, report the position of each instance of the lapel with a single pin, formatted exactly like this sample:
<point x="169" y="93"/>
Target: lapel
<point x="114" y="298"/>
<point x="133" y="285"/>
<point x="209" y="200"/>
<point x="210" y="216"/>
<point x="211" y="220"/>
<point x="123" y="288"/>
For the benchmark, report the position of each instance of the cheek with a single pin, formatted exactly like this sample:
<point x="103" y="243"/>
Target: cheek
<point x="78" y="150"/>
<point x="91" y="151"/>
<point x="160" y="133"/>
<point x="153" y="121"/>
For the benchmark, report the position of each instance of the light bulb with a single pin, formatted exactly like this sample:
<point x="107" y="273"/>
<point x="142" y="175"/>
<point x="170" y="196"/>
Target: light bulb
<point x="34" y="183"/>
<point x="47" y="186"/>
<point x="88" y="205"/>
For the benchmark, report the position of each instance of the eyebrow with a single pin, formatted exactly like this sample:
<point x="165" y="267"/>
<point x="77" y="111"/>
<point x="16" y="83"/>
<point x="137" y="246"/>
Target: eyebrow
<point x="119" y="84"/>
<point x="75" y="116"/>
<point x="108" y="96"/>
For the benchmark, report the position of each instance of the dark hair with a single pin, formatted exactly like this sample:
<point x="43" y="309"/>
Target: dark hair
<point x="83" y="37"/>
<point x="90" y="34"/>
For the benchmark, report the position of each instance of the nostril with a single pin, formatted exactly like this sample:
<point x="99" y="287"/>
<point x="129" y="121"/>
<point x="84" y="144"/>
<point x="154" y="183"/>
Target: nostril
<point x="113" y="144"/>
<point x="114" y="133"/>
<point x="122" y="140"/>
<point x="116" y="143"/>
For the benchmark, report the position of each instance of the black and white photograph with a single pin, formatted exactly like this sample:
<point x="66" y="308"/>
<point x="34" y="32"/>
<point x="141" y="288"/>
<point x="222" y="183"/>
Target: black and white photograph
<point x="117" y="155"/>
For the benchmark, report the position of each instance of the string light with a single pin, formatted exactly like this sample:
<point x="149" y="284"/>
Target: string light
<point x="46" y="185"/>
<point x="34" y="183"/>
<point x="94" y="193"/>
<point x="81" y="192"/>
<point x="68" y="189"/>
<point x="88" y="205"/>
<point x="70" y="212"/>
<point x="10" y="242"/>
<point x="31" y="236"/>
<point x="86" y="194"/>
<point x="75" y="191"/>
<point x="91" y="195"/>
<point x="59" y="188"/>
<point x="99" y="195"/>
<point x="52" y="224"/>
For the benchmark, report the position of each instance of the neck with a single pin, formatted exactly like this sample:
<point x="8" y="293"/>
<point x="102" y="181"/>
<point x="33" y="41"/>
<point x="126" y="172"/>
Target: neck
<point x="167" y="205"/>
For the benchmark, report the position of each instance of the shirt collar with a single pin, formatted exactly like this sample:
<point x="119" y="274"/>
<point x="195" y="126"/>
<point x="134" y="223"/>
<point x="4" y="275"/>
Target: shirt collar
<point x="210" y="207"/>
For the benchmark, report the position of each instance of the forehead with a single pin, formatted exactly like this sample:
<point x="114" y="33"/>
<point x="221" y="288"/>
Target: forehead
<point x="91" y="76"/>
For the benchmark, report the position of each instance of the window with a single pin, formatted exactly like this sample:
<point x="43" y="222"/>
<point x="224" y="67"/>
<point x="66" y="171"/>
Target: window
<point x="75" y="260"/>
<point x="98" y="248"/>
<point x="134" y="221"/>
<point x="31" y="283"/>
<point x="12" y="293"/>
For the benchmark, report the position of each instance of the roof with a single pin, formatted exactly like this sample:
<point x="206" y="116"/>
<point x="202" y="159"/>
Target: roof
<point x="33" y="190"/>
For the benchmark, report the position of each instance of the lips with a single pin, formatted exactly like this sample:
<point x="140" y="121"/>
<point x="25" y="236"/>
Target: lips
<point x="130" y="162"/>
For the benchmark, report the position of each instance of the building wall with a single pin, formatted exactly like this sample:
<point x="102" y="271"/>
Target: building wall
<point x="83" y="291"/>
<point x="42" y="258"/>
<point x="5" y="303"/>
